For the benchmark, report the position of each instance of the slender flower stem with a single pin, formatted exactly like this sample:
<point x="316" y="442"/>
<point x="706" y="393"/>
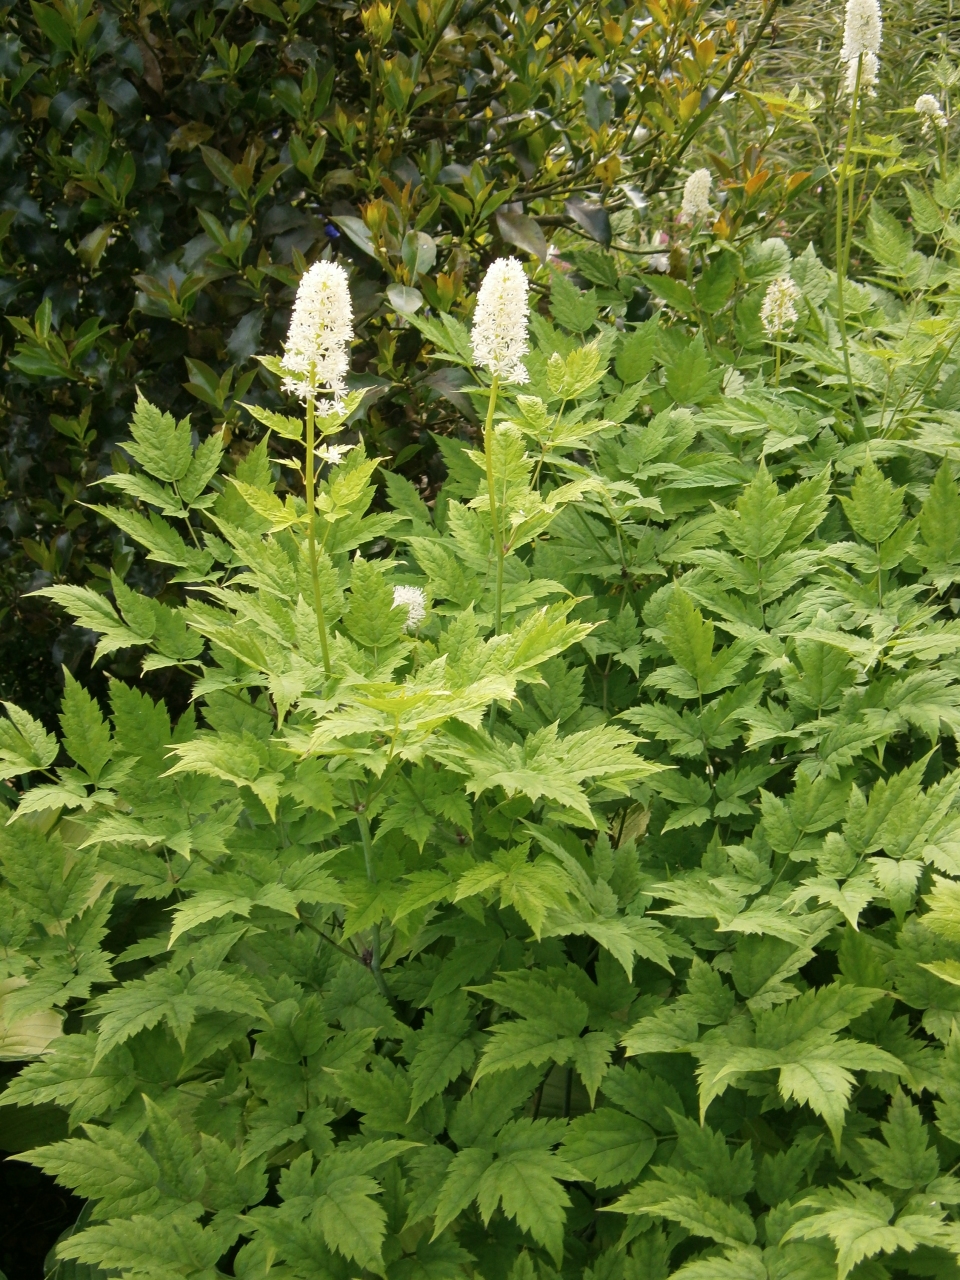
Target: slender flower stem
<point x="494" y="513"/>
<point x="312" y="541"/>
<point x="495" y="521"/>
<point x="841" y="247"/>
<point x="375" y="961"/>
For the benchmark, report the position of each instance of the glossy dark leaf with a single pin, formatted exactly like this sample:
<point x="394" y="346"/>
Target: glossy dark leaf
<point x="522" y="231"/>
<point x="592" y="217"/>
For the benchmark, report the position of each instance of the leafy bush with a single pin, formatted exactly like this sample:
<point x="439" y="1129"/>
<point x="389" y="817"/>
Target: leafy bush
<point x="613" y="937"/>
<point x="164" y="171"/>
<point x="554" y="870"/>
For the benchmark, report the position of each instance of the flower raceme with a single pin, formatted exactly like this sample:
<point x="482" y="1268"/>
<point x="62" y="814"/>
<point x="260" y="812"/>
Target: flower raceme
<point x="317" y="351"/>
<point x="499" y="335"/>
<point x="778" y="314"/>
<point x="933" y="114"/>
<point x="869" y="69"/>
<point x="862" y="29"/>
<point x="696" y="195"/>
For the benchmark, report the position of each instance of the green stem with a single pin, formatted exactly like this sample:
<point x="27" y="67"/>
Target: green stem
<point x="305" y="920"/>
<point x="841" y="249"/>
<point x="312" y="541"/>
<point x="495" y="522"/>
<point x="776" y="369"/>
<point x="494" y="514"/>
<point x="364" y="825"/>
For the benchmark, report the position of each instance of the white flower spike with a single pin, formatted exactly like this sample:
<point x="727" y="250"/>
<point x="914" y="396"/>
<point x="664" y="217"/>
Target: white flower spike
<point x="778" y="314"/>
<point x="317" y="350"/>
<point x="414" y="601"/>
<point x="933" y="114"/>
<point x="862" y="29"/>
<point x="696" y="195"/>
<point x="499" y="337"/>
<point x="869" y="72"/>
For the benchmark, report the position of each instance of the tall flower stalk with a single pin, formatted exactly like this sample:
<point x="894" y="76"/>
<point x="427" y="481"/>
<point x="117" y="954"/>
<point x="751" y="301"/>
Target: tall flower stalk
<point x="492" y="490"/>
<point x="863" y="29"/>
<point x="499" y="342"/>
<point x="315" y="362"/>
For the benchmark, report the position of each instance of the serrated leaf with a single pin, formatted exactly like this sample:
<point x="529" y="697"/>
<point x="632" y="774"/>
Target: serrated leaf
<point x="181" y="1170"/>
<point x="576" y="311"/>
<point x="106" y="1166"/>
<point x="289" y="428"/>
<point x="701" y="1214"/>
<point x="904" y="1159"/>
<point x="351" y="1220"/>
<point x="874" y="507"/>
<point x="637" y="352"/>
<point x="86" y="734"/>
<point x="170" y="997"/>
<point x="161" y="540"/>
<point x="147" y="1248"/>
<point x="691" y="375"/>
<point x="94" y="611"/>
<point x="24" y="743"/>
<point x="72" y="1078"/>
<point x="525" y="1180"/>
<point x="160" y="445"/>
<point x="861" y="1223"/>
<point x="444" y="1050"/>
<point x="608" y="1147"/>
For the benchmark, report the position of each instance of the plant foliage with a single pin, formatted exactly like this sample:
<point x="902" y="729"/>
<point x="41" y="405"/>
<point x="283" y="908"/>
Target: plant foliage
<point x="602" y="924"/>
<point x="164" y="170"/>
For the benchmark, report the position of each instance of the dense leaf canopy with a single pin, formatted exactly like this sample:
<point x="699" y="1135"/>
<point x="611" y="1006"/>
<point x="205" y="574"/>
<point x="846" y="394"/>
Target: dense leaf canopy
<point x="549" y="869"/>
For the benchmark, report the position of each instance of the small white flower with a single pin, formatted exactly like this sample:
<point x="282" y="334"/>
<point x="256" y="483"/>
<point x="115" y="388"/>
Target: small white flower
<point x="933" y="114"/>
<point x="862" y="29"/>
<point x="317" y="350"/>
<point x="696" y="195"/>
<point x="869" y="72"/>
<point x="415" y="602"/>
<point x="333" y="453"/>
<point x="778" y="314"/>
<point x="499" y="337"/>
